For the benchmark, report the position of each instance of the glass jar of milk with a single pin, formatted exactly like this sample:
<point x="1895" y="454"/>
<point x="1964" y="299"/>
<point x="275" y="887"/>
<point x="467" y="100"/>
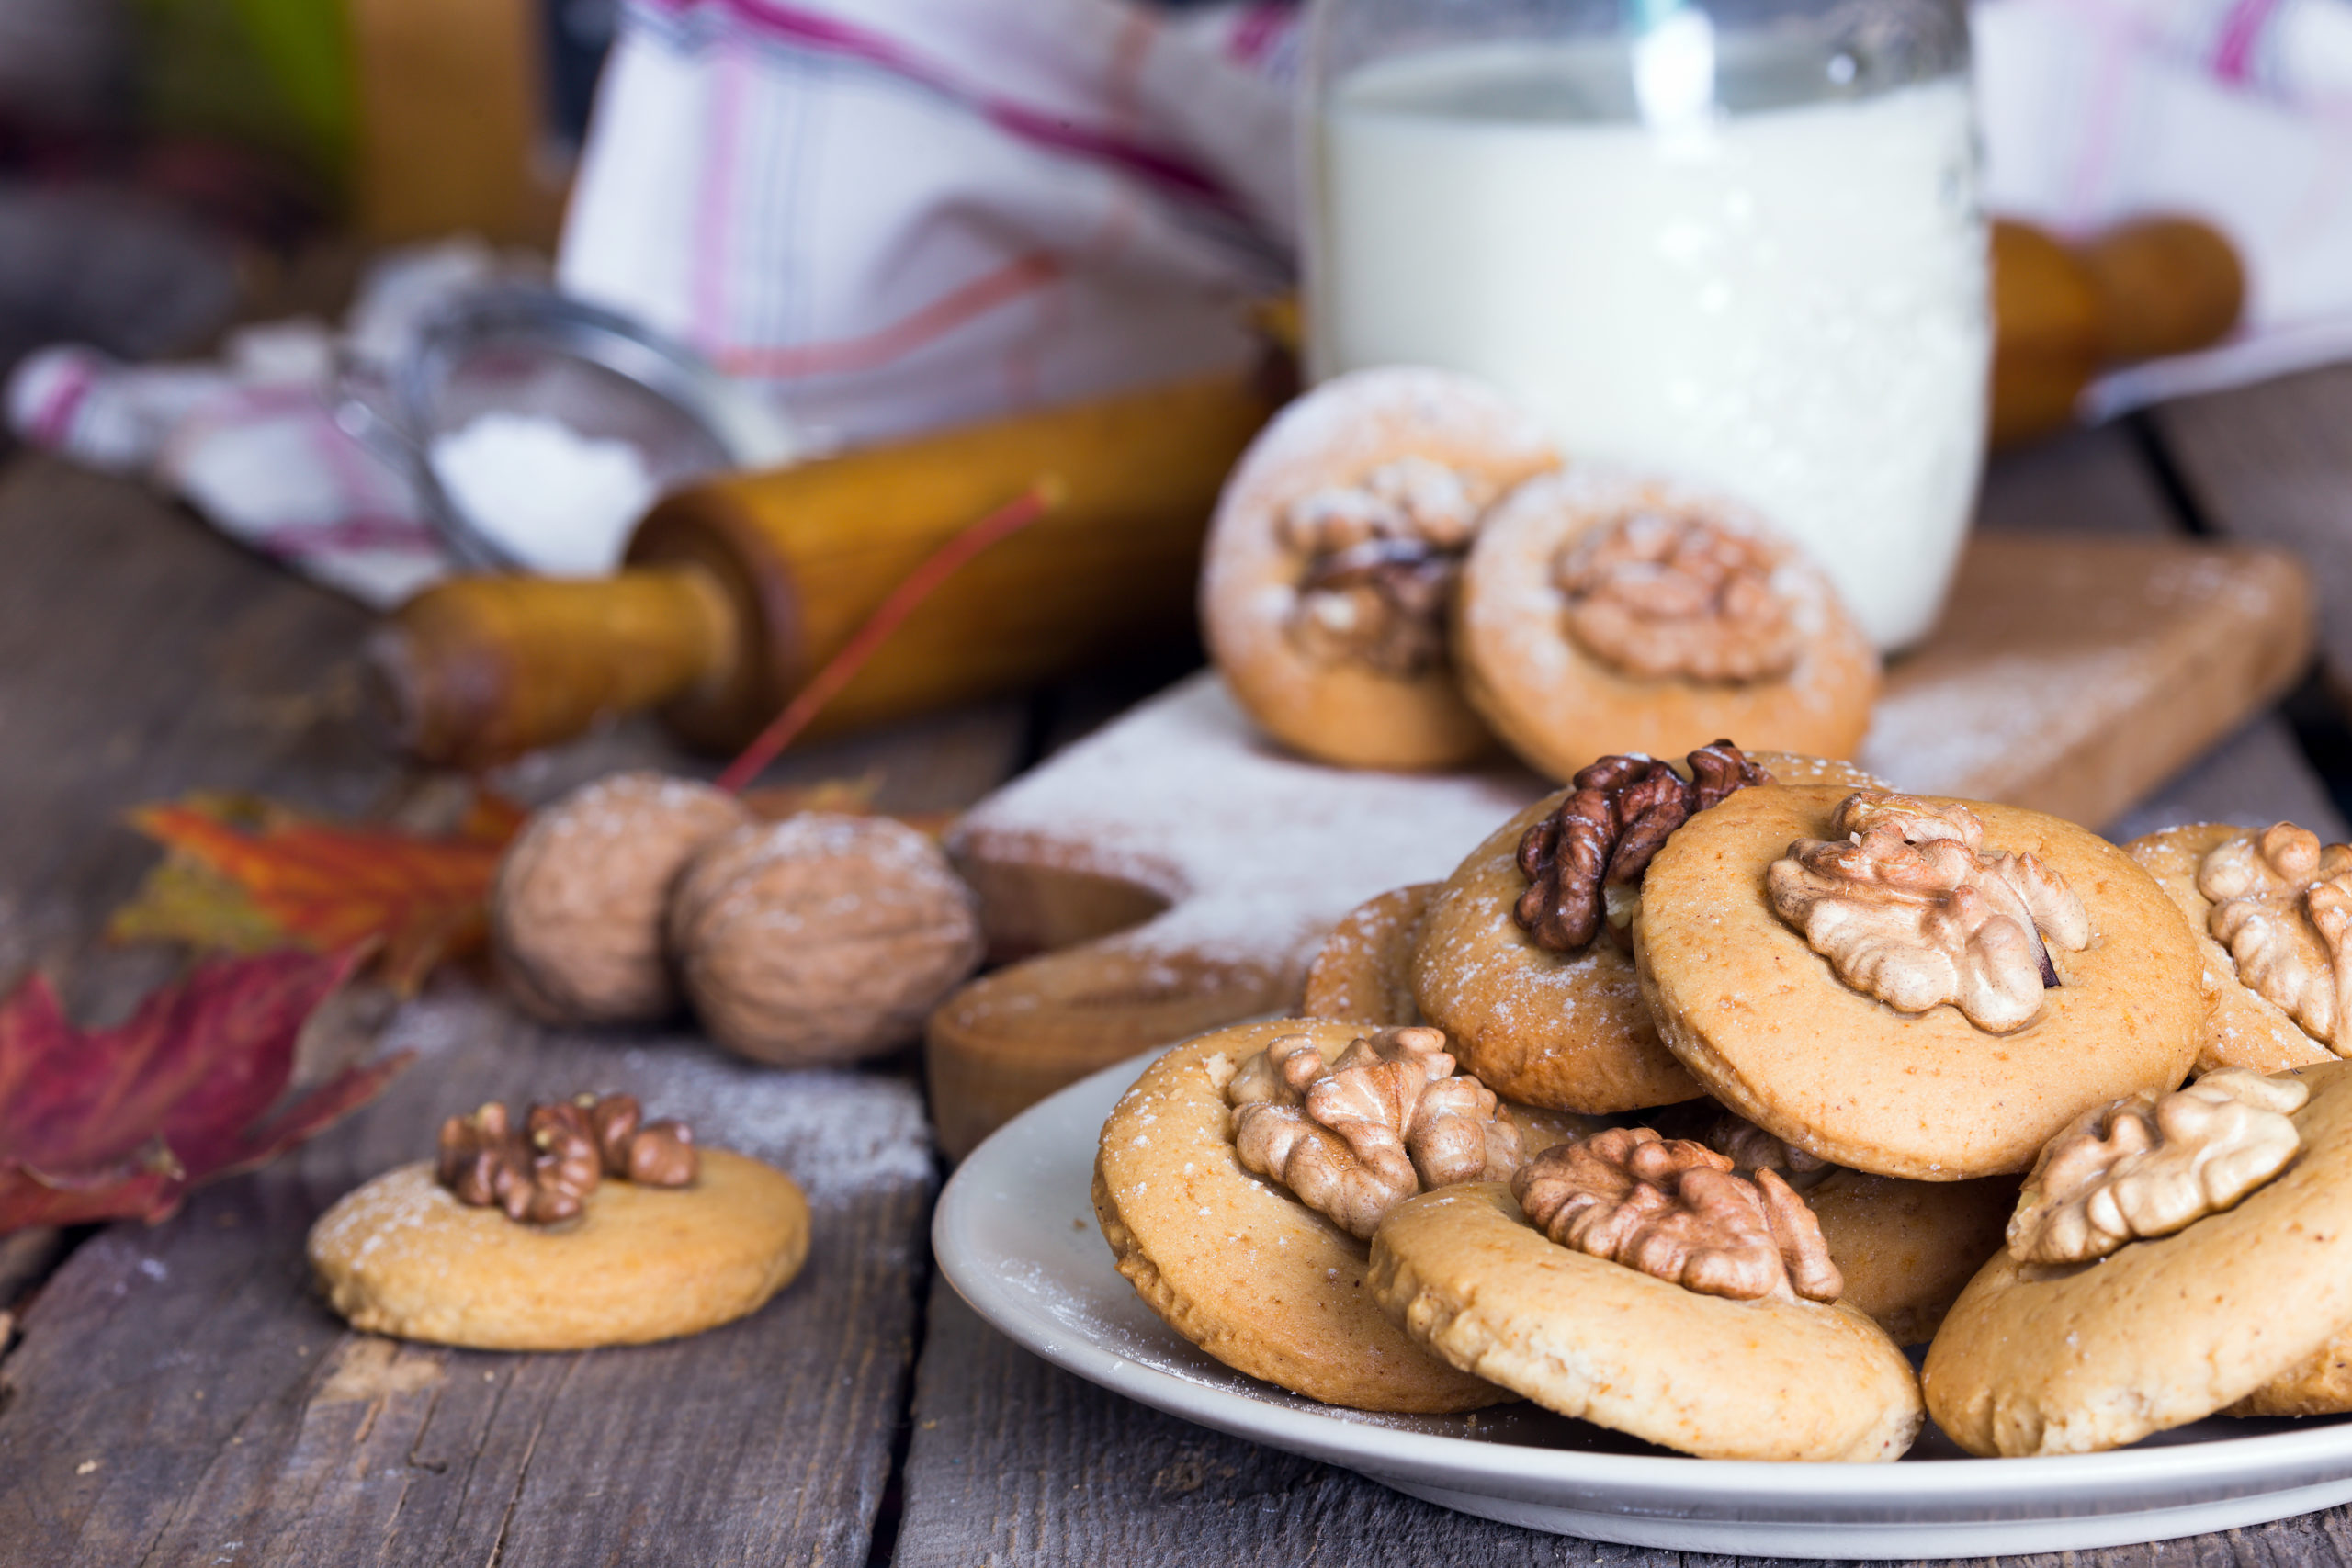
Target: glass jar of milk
<point x="1733" y="239"/>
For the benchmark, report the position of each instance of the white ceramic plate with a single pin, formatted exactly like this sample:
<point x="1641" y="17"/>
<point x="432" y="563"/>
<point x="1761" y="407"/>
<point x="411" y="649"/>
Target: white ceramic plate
<point x="1016" y="1236"/>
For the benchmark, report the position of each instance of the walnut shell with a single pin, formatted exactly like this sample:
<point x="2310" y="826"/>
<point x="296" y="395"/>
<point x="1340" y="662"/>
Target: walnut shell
<point x="821" y="939"/>
<point x="575" y="914"/>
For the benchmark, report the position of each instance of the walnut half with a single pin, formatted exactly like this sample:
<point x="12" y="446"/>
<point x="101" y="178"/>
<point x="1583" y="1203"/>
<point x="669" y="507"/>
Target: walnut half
<point x="1661" y="596"/>
<point x="2150" y="1164"/>
<point x="1676" y="1210"/>
<point x="2282" y="904"/>
<point x="1909" y="905"/>
<point x="1616" y="815"/>
<point x="543" y="1174"/>
<point x="1389" y="1118"/>
<point x="1382" y="557"/>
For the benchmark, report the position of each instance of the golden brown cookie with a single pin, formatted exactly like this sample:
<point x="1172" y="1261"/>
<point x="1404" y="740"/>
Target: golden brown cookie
<point x="1768" y="1025"/>
<point x="2243" y="1029"/>
<point x="401" y="1256"/>
<point x="2071" y="1358"/>
<point x="1364" y="970"/>
<point x="1909" y="1249"/>
<point x="1234" y="1262"/>
<point x="1604" y="613"/>
<point x="1329" y="569"/>
<point x="1770" y="1378"/>
<point x="1568" y="1030"/>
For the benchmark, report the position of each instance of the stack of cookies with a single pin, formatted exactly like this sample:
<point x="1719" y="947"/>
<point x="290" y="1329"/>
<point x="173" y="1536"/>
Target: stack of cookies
<point x="1699" y="1091"/>
<point x="1401" y="573"/>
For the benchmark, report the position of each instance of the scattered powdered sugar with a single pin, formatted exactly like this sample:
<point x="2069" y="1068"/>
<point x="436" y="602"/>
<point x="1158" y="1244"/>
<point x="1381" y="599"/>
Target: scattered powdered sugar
<point x="2000" y="719"/>
<point x="1259" y="852"/>
<point x="837" y="1133"/>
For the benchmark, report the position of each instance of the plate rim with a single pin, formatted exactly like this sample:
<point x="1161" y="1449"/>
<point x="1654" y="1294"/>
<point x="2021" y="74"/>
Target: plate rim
<point x="2272" y="1461"/>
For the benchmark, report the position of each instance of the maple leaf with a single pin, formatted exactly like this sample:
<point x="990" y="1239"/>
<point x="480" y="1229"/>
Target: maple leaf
<point x="245" y="875"/>
<point x="119" y="1123"/>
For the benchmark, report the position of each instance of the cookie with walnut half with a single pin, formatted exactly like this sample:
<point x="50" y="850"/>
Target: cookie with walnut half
<point x="2172" y="1255"/>
<point x="574" y="1227"/>
<point x="1642" y="1284"/>
<point x="1606" y="612"/>
<point x="1329" y="577"/>
<point x="1908" y="985"/>
<point x="1237" y="1179"/>
<point x="1548" y="1017"/>
<point x="2249" y="991"/>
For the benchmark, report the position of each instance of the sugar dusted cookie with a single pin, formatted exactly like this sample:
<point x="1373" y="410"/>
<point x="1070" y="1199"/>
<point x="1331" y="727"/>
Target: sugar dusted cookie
<point x="1365" y="971"/>
<point x="1869" y="975"/>
<point x="578" y="1229"/>
<point x="2267" y="879"/>
<point x="1602" y="613"/>
<point x="1522" y="958"/>
<point x="1331" y="566"/>
<point x="1638" y="1284"/>
<point x="2170" y="1256"/>
<point x="1240" y="1216"/>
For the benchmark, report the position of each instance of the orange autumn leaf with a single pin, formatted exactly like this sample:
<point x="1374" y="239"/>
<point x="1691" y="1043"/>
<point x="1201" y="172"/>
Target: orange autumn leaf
<point x="420" y="898"/>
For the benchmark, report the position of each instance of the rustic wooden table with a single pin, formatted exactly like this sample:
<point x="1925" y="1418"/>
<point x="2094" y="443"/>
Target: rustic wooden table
<point x="178" y="1396"/>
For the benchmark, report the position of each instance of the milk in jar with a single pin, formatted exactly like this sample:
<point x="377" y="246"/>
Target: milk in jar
<point x="1783" y="295"/>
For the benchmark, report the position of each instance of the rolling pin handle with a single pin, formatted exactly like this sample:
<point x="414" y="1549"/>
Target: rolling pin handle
<point x="477" y="671"/>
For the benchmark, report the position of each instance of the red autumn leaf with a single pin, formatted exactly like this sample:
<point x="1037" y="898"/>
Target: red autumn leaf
<point x="117" y="1124"/>
<point x="328" y="887"/>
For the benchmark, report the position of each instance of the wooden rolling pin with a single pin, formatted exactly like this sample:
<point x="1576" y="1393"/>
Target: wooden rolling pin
<point x="737" y="589"/>
<point x="2061" y="314"/>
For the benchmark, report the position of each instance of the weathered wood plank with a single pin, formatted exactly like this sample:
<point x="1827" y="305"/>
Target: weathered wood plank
<point x="1018" y="1462"/>
<point x="178" y="1394"/>
<point x="2270" y="464"/>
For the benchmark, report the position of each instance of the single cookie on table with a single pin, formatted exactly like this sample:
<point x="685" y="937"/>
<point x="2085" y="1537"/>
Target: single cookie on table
<point x="1364" y="969"/>
<point x="1237" y="1180"/>
<point x="2272" y="998"/>
<point x="1329" y="571"/>
<point x="2171" y="1254"/>
<point x="1603" y="613"/>
<point x="1640" y="1283"/>
<point x="1907" y="1248"/>
<point x="1522" y="957"/>
<point x="1912" y="986"/>
<point x="580" y="1228"/>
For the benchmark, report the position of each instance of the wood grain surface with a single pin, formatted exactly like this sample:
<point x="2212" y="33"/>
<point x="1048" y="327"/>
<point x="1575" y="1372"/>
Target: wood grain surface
<point x="2269" y="465"/>
<point x="179" y="1395"/>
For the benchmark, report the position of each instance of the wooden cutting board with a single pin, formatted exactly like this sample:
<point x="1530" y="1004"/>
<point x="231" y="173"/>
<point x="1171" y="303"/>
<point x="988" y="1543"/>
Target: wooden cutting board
<point x="1177" y="871"/>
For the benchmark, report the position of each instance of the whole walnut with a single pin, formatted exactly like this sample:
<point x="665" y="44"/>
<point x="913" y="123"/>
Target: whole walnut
<point x="822" y="938"/>
<point x="575" y="914"/>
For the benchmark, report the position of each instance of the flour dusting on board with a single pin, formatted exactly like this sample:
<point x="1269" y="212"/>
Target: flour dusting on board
<point x="1258" y="853"/>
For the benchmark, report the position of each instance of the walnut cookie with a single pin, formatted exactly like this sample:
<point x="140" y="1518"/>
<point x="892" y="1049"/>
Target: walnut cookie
<point x="1778" y="1011"/>
<point x="1329" y="572"/>
<point x="1557" y="1025"/>
<point x="1364" y="969"/>
<point x="2172" y="1255"/>
<point x="582" y="1231"/>
<point x="1640" y="1283"/>
<point x="2246" y="1026"/>
<point x="1250" y="1269"/>
<point x="1602" y="613"/>
<point x="1907" y="1248"/>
